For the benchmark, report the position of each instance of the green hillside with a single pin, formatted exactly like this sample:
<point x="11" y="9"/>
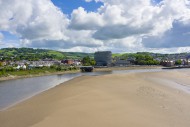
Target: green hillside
<point x="36" y="54"/>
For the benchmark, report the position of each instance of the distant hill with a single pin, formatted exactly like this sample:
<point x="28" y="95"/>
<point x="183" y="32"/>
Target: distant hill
<point x="36" y="54"/>
<point x="154" y="55"/>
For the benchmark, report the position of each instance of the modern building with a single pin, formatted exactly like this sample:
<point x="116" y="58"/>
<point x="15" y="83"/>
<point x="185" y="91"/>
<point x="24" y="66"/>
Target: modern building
<point x="103" y="58"/>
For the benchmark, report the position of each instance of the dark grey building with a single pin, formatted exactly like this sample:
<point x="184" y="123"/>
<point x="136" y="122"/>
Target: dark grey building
<point x="103" y="58"/>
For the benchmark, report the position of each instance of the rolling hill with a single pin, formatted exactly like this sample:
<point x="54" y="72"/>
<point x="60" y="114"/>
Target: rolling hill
<point x="36" y="54"/>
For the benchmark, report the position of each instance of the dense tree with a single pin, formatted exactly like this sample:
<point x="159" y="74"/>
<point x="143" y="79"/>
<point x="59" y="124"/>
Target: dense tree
<point x="178" y="62"/>
<point x="145" y="60"/>
<point x="87" y="61"/>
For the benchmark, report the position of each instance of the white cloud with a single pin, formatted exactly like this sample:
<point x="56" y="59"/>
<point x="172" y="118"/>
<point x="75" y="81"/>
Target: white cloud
<point x="118" y="25"/>
<point x="33" y="19"/>
<point x="82" y="20"/>
<point x="178" y="36"/>
<point x="169" y="50"/>
<point x="88" y="0"/>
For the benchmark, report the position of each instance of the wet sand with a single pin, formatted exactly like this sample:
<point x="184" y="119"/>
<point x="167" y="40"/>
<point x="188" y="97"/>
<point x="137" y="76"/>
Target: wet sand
<point x="149" y="99"/>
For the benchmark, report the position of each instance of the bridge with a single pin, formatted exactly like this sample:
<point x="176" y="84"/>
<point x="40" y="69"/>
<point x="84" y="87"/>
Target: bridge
<point x="86" y="68"/>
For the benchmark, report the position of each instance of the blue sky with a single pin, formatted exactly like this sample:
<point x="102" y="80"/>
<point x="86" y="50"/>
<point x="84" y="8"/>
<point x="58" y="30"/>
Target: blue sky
<point x="67" y="6"/>
<point x="119" y="25"/>
<point x="8" y="36"/>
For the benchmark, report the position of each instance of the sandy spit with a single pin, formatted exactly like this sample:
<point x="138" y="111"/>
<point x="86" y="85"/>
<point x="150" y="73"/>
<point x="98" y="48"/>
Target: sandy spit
<point x="119" y="100"/>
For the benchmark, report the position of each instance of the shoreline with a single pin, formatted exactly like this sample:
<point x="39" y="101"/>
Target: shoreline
<point x="13" y="77"/>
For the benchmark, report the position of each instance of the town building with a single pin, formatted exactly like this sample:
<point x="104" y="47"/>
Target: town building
<point x="168" y="63"/>
<point x="120" y="62"/>
<point x="185" y="62"/>
<point x="103" y="58"/>
<point x="67" y="61"/>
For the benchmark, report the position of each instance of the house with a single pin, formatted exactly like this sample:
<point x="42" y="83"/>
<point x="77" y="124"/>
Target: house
<point x="77" y="62"/>
<point x="21" y="67"/>
<point x="56" y="62"/>
<point x="24" y="67"/>
<point x="68" y="61"/>
<point x="3" y="63"/>
<point x="30" y="66"/>
<point x="18" y="67"/>
<point x="120" y="62"/>
<point x="168" y="63"/>
<point x="185" y="62"/>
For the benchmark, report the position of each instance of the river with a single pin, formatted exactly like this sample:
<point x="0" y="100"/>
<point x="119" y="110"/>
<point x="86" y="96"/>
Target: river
<point x="18" y="90"/>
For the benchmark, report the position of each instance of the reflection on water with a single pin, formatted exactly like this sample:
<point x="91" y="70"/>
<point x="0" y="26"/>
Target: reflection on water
<point x="15" y="91"/>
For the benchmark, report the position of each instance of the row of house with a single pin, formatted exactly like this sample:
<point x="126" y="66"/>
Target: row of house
<point x="169" y="63"/>
<point x="41" y="63"/>
<point x="71" y="62"/>
<point x="123" y="62"/>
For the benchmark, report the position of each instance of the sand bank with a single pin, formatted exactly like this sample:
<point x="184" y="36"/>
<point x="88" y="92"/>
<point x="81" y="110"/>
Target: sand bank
<point x="119" y="100"/>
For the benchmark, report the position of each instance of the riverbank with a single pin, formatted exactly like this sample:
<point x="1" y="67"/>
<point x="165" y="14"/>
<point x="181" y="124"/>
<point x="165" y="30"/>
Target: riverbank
<point x="135" y="99"/>
<point x="46" y="73"/>
<point x="13" y="77"/>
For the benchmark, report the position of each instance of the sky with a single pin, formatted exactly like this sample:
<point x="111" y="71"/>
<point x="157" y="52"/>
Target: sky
<point x="161" y="26"/>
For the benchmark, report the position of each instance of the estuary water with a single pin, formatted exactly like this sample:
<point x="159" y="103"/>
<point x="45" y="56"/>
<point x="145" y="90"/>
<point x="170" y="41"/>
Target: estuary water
<point x="18" y="90"/>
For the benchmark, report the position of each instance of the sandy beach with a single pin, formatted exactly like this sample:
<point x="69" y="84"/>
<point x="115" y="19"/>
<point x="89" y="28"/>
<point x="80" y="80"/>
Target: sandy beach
<point x="151" y="99"/>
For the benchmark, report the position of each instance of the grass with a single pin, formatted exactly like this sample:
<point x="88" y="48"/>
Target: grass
<point x="29" y="72"/>
<point x="56" y="53"/>
<point x="116" y="55"/>
<point x="36" y="71"/>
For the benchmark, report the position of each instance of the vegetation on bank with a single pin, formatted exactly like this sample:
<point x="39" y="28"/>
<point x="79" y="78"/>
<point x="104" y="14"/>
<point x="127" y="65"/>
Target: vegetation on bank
<point x="87" y="61"/>
<point x="7" y="71"/>
<point x="145" y="60"/>
<point x="138" y="58"/>
<point x="154" y="55"/>
<point x="178" y="62"/>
